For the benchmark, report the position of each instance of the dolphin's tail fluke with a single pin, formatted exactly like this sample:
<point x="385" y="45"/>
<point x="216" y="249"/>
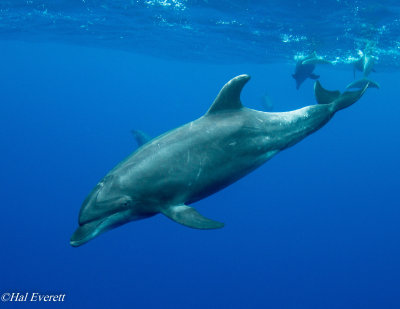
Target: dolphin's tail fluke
<point x="324" y="96"/>
<point x="337" y="99"/>
<point x="361" y="83"/>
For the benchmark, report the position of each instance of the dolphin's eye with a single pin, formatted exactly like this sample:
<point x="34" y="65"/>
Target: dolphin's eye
<point x="125" y="203"/>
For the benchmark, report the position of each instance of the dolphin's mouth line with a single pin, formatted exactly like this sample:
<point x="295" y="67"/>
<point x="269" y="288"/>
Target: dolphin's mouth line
<point x="104" y="217"/>
<point x="93" y="228"/>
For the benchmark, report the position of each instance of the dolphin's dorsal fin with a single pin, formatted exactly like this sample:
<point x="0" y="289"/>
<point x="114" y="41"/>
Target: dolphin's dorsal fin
<point x="189" y="217"/>
<point x="140" y="137"/>
<point x="229" y="96"/>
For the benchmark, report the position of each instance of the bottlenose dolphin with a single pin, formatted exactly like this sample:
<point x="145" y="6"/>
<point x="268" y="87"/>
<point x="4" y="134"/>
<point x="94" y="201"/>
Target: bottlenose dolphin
<point x="191" y="162"/>
<point x="361" y="83"/>
<point x="141" y="137"/>
<point x="365" y="64"/>
<point x="305" y="68"/>
<point x="267" y="103"/>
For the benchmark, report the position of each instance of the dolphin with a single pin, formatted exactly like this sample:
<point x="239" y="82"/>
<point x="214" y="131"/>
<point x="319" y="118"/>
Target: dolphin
<point x="361" y="83"/>
<point x="176" y="169"/>
<point x="267" y="103"/>
<point x="141" y="137"/>
<point x="305" y="68"/>
<point x="365" y="64"/>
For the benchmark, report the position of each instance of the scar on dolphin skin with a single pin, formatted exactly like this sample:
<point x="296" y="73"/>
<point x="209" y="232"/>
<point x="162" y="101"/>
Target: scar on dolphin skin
<point x="225" y="144"/>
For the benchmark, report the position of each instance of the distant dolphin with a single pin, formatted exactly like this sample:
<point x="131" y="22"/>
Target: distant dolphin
<point x="141" y="137"/>
<point x="365" y="64"/>
<point x="305" y="67"/>
<point x="267" y="103"/>
<point x="361" y="83"/>
<point x="189" y="163"/>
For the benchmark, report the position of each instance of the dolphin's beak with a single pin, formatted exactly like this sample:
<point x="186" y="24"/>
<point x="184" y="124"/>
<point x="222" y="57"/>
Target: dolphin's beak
<point x="88" y="207"/>
<point x="90" y="230"/>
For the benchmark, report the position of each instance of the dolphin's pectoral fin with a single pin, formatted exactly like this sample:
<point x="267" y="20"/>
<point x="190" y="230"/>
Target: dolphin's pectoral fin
<point x="338" y="100"/>
<point x="229" y="96"/>
<point x="372" y="84"/>
<point x="141" y="137"/>
<point x="189" y="217"/>
<point x="314" y="76"/>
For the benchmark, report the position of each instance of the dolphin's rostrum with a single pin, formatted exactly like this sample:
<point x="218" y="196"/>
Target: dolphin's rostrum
<point x="170" y="172"/>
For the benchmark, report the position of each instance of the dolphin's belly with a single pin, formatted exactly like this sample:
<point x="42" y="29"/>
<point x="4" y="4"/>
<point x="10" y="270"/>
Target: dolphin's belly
<point x="216" y="177"/>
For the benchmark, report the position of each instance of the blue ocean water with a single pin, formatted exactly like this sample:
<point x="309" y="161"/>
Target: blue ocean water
<point x="315" y="227"/>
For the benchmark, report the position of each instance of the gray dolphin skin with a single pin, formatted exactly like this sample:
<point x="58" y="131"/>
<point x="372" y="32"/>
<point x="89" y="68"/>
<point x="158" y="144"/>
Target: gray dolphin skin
<point x="170" y="172"/>
<point x="305" y="68"/>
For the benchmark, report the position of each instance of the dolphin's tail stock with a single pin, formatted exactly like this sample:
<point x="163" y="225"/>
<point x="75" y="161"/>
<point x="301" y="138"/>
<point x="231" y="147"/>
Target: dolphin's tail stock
<point x="337" y="100"/>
